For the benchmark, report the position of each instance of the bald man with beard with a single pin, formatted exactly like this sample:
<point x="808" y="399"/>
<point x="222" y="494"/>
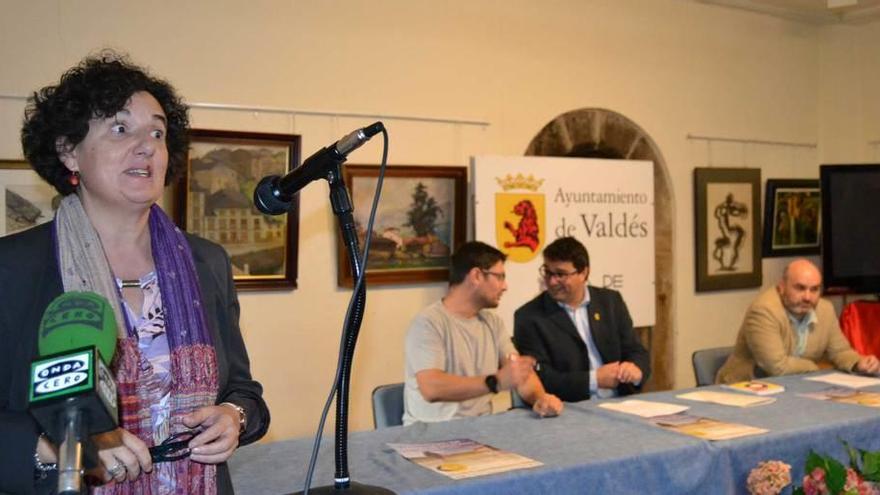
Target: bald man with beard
<point x="790" y="329"/>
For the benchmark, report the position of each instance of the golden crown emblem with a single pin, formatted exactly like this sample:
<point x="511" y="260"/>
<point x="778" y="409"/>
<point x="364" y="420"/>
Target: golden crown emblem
<point x="519" y="182"/>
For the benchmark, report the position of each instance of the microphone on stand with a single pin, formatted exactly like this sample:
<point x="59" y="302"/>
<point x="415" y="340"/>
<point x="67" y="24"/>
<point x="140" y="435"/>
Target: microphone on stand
<point x="72" y="394"/>
<point x="274" y="194"/>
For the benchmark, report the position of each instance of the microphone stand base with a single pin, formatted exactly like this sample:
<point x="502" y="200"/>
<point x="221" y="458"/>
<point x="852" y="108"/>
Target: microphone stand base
<point x="353" y="489"/>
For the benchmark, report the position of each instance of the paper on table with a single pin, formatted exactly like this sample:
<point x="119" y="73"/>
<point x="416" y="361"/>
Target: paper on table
<point x="727" y="399"/>
<point x="846" y="396"/>
<point x="846" y="380"/>
<point x="462" y="458"/>
<point x="705" y="428"/>
<point x="755" y="387"/>
<point x="644" y="408"/>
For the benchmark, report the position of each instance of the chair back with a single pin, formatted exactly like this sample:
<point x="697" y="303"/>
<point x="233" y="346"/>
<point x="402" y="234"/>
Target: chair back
<point x="388" y="405"/>
<point x="707" y="362"/>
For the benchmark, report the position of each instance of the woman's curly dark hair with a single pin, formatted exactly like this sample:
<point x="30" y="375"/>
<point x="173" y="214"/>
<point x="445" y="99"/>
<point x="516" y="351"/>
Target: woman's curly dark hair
<point x="98" y="87"/>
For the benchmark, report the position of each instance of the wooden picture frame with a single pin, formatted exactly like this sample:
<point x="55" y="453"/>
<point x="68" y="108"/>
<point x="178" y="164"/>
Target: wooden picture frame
<point x="727" y="207"/>
<point x="28" y="200"/>
<point x="792" y="218"/>
<point x="431" y="197"/>
<point x="215" y="201"/>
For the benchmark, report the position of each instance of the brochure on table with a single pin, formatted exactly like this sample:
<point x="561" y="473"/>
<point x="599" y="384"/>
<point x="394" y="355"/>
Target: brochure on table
<point x="462" y="458"/>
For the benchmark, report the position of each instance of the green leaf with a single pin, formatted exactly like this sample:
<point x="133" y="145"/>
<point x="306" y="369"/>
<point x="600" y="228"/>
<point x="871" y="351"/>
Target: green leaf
<point x="871" y="465"/>
<point x="835" y="472"/>
<point x="814" y="461"/>
<point x="853" y="455"/>
<point x="835" y="475"/>
<point x="798" y="491"/>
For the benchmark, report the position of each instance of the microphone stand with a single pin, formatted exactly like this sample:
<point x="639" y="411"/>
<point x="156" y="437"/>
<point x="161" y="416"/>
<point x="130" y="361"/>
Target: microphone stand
<point x="342" y="208"/>
<point x="70" y="467"/>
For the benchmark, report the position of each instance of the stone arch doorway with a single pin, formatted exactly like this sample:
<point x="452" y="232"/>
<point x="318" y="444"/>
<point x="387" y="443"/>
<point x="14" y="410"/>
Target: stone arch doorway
<point x="600" y="133"/>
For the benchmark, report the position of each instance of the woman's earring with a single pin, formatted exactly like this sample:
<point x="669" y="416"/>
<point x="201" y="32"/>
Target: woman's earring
<point x="74" y="178"/>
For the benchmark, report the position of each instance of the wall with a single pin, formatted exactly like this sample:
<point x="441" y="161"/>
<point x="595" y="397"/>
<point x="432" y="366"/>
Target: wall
<point x="672" y="66"/>
<point x="849" y="102"/>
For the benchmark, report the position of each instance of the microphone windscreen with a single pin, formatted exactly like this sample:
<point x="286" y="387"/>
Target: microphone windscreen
<point x="78" y="319"/>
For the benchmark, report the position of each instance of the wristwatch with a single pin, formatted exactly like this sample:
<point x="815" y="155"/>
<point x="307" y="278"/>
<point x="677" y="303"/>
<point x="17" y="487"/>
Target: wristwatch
<point x="242" y="415"/>
<point x="492" y="383"/>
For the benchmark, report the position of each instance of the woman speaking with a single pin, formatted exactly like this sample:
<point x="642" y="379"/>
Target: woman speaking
<point x="109" y="137"/>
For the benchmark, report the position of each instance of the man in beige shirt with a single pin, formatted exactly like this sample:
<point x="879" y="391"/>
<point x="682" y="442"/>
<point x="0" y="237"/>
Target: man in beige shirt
<point x="457" y="351"/>
<point x="789" y="329"/>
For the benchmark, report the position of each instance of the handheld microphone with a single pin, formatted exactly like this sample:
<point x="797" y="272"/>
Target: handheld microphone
<point x="274" y="194"/>
<point x="72" y="394"/>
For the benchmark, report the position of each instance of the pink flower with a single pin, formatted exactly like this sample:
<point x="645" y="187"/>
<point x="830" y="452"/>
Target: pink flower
<point x="853" y="480"/>
<point x="769" y="478"/>
<point x="814" y="483"/>
<point x="864" y="487"/>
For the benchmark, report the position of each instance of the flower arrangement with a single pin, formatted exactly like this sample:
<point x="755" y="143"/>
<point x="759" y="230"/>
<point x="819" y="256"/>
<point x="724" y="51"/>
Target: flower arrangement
<point x="769" y="478"/>
<point x="823" y="475"/>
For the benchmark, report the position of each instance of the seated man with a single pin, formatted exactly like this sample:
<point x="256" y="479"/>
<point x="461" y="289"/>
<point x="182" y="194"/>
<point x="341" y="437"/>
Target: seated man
<point x="788" y="329"/>
<point x="457" y="352"/>
<point x="581" y="336"/>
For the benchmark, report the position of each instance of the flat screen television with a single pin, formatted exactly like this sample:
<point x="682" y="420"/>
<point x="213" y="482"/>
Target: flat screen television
<point x="851" y="228"/>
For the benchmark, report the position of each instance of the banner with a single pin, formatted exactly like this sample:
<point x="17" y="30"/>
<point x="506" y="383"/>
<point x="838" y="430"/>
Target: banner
<point x="524" y="203"/>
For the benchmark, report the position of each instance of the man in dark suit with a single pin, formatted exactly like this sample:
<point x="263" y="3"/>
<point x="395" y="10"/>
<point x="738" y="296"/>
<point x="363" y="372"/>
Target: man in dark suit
<point x="581" y="336"/>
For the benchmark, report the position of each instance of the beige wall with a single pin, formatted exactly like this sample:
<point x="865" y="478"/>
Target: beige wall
<point x="672" y="66"/>
<point x="849" y="100"/>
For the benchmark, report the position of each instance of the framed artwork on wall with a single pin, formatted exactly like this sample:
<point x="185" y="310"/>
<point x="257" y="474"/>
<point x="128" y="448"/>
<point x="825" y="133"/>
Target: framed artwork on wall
<point x="727" y="206"/>
<point x="28" y="200"/>
<point x="792" y="217"/>
<point x="215" y="201"/>
<point x="421" y="220"/>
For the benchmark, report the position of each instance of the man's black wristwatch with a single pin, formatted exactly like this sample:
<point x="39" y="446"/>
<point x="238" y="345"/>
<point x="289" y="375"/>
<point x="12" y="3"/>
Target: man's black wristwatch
<point x="492" y="383"/>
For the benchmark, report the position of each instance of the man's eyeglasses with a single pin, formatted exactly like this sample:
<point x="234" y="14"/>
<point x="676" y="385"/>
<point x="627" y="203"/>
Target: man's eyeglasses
<point x="501" y="276"/>
<point x="174" y="448"/>
<point x="548" y="274"/>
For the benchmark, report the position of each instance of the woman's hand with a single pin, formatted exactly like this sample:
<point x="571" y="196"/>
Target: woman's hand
<point x="47" y="452"/>
<point x="220" y="436"/>
<point x="123" y="456"/>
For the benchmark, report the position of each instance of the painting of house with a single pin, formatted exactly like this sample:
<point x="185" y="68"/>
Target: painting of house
<point x="221" y="178"/>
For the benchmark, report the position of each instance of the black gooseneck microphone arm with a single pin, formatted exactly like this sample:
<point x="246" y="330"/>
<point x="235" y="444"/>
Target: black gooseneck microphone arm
<point x="340" y="203"/>
<point x="342" y="208"/>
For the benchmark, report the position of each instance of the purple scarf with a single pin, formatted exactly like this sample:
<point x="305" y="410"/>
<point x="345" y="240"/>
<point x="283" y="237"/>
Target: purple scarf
<point x="194" y="377"/>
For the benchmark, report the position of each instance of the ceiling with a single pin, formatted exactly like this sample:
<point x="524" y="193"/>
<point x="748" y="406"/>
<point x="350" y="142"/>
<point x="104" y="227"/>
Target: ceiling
<point x="810" y="11"/>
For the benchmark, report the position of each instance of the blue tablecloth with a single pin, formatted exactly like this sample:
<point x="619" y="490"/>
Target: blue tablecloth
<point x="585" y="450"/>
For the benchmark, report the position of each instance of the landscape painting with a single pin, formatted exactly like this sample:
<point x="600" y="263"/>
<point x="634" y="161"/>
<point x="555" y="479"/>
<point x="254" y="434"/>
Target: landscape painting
<point x="419" y="222"/>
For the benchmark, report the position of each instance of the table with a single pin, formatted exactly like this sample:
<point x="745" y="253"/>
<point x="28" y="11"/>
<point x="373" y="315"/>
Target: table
<point x="585" y="450"/>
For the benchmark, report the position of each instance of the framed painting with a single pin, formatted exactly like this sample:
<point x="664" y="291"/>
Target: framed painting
<point x="792" y="217"/>
<point x="215" y="201"/>
<point x="727" y="206"/>
<point x="28" y="199"/>
<point x="421" y="220"/>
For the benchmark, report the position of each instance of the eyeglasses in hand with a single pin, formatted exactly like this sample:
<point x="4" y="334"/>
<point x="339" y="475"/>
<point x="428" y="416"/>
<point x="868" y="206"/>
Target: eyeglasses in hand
<point x="173" y="448"/>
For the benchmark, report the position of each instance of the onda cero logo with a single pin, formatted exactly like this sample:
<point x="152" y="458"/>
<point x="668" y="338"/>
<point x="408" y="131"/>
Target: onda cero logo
<point x="61" y="374"/>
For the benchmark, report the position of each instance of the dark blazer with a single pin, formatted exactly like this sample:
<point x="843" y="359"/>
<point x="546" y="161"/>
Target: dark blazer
<point x="29" y="281"/>
<point x="543" y="329"/>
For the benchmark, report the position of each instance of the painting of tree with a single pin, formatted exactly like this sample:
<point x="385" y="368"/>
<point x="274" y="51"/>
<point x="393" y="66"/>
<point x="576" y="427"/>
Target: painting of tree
<point x="419" y="222"/>
<point x="423" y="211"/>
